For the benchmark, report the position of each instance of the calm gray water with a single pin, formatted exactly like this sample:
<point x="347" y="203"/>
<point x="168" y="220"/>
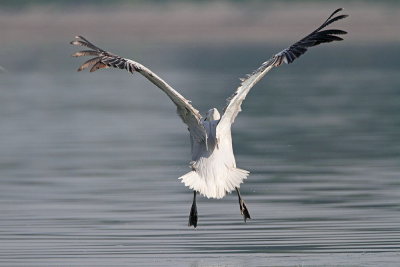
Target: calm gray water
<point x="89" y="162"/>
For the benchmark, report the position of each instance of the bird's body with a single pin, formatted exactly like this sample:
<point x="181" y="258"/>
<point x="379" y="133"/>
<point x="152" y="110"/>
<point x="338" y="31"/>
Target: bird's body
<point x="214" y="171"/>
<point x="213" y="166"/>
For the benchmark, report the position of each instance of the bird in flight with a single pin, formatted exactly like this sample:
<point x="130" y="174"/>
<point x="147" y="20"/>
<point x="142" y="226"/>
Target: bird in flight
<point x="213" y="167"/>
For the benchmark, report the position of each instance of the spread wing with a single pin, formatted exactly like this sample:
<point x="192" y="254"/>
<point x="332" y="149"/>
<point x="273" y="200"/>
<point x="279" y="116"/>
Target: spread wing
<point x="287" y="56"/>
<point x="103" y="59"/>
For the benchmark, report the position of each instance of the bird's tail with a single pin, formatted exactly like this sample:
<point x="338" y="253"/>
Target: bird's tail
<point x="215" y="187"/>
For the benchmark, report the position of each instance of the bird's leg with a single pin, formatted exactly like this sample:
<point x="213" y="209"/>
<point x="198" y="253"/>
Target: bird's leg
<point x="243" y="209"/>
<point x="193" y="212"/>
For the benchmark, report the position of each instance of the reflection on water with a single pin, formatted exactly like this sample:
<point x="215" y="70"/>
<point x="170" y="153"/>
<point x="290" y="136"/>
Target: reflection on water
<point x="89" y="164"/>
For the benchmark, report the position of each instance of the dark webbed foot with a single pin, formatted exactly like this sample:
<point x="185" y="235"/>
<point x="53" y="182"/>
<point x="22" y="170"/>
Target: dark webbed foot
<point x="193" y="212"/>
<point x="193" y="216"/>
<point x="243" y="209"/>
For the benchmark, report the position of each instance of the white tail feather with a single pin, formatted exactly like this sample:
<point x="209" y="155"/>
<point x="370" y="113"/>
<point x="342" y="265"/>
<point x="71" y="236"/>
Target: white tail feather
<point x="215" y="187"/>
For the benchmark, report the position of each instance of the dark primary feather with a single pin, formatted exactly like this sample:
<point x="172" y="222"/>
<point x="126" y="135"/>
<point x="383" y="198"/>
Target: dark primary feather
<point x="297" y="49"/>
<point x="315" y="38"/>
<point x="85" y="53"/>
<point x="102" y="58"/>
<point x="288" y="55"/>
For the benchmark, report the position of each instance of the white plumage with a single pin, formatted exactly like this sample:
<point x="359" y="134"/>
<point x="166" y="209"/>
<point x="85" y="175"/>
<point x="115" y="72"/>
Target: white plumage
<point x="214" y="172"/>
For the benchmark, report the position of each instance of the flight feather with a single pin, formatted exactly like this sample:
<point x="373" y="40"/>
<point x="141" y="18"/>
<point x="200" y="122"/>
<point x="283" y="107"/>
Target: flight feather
<point x="288" y="55"/>
<point x="104" y="59"/>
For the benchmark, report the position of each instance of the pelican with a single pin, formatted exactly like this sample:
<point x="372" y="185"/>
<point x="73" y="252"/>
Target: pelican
<point x="213" y="167"/>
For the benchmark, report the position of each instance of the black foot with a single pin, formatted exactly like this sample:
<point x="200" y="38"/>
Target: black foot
<point x="244" y="211"/>
<point x="193" y="213"/>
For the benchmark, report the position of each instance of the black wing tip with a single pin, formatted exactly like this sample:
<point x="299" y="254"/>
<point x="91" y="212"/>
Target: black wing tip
<point x="339" y="17"/>
<point x="316" y="37"/>
<point x="81" y="38"/>
<point x="74" y="42"/>
<point x="77" y="39"/>
<point x="95" y="62"/>
<point x="338" y="10"/>
<point x="100" y="58"/>
<point x="82" y="41"/>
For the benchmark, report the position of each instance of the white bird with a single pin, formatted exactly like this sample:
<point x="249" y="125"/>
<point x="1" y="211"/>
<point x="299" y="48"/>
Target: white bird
<point x="213" y="167"/>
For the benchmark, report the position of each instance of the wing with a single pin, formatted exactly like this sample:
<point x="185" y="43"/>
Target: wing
<point x="103" y="59"/>
<point x="287" y="56"/>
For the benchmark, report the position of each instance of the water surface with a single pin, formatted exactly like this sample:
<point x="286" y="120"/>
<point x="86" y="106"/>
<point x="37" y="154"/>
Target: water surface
<point x="89" y="163"/>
